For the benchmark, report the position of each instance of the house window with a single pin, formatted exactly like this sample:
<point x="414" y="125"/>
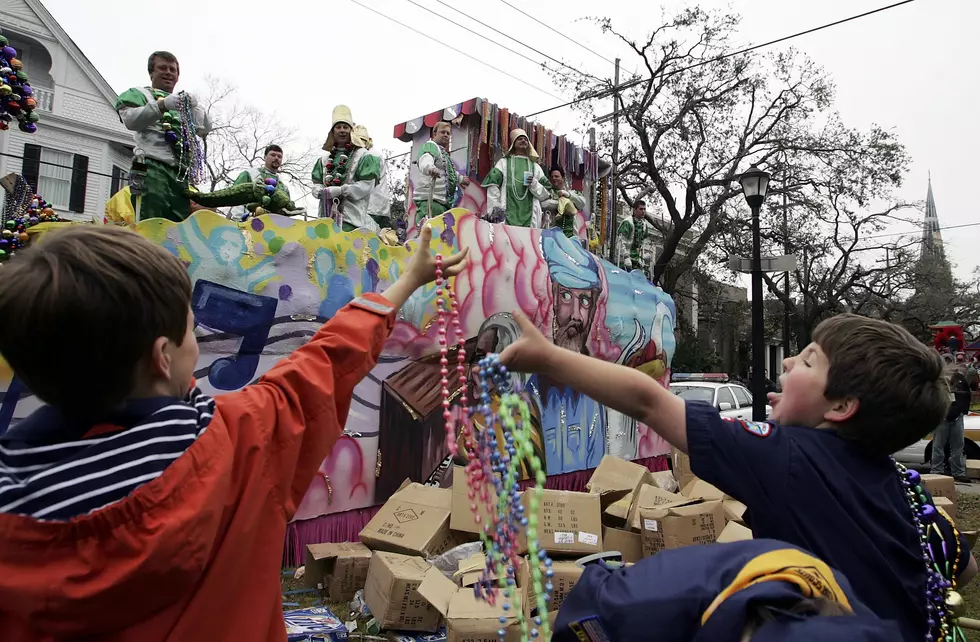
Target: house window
<point x="54" y="178"/>
<point x="61" y="178"/>
<point x="117" y="180"/>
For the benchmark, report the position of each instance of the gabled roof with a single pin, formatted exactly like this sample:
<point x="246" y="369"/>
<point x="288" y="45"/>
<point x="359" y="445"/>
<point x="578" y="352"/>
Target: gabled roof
<point x="73" y="50"/>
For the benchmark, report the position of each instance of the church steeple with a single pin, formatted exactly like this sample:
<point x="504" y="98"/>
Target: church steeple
<point x="932" y="237"/>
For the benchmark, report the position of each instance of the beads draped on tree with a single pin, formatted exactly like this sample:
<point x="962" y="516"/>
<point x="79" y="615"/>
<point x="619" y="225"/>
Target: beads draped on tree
<point x="16" y="94"/>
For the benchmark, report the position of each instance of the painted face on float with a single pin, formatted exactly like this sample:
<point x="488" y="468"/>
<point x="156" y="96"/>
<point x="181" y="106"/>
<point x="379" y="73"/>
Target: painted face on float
<point x="341" y="134"/>
<point x="164" y="75"/>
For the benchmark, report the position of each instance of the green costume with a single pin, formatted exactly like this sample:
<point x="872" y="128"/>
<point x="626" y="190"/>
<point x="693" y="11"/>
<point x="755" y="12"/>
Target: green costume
<point x="632" y="234"/>
<point x="442" y="188"/>
<point x="506" y="190"/>
<point x="250" y="176"/>
<point x="356" y="186"/>
<point x="164" y="194"/>
<point x="559" y="211"/>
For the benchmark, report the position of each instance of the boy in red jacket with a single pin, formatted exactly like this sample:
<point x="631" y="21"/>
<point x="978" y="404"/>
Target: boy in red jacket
<point x="133" y="506"/>
<point x="818" y="475"/>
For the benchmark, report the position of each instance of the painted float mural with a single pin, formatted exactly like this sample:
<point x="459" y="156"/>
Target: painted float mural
<point x="263" y="287"/>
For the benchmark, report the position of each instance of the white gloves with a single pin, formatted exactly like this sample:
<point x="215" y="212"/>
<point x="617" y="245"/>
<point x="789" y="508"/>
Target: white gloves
<point x="564" y="193"/>
<point x="435" y="172"/>
<point x="334" y="191"/>
<point x="317" y="191"/>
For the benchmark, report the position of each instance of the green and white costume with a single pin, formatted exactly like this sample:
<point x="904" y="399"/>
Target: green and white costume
<point x="239" y="212"/>
<point x="506" y="189"/>
<point x="559" y="211"/>
<point x="164" y="196"/>
<point x="635" y="238"/>
<point x="441" y="187"/>
<point x="355" y="176"/>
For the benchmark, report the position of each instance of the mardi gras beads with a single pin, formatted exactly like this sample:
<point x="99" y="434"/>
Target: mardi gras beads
<point x="190" y="160"/>
<point x="16" y="94"/>
<point x="941" y="598"/>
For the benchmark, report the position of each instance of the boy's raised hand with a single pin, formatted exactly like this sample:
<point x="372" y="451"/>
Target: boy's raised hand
<point x="530" y="353"/>
<point x="422" y="267"/>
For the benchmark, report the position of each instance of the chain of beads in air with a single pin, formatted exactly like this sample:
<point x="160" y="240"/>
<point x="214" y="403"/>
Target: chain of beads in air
<point x="490" y="466"/>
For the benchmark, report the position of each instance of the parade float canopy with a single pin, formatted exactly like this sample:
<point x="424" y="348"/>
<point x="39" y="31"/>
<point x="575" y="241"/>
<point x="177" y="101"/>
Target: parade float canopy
<point x="490" y="125"/>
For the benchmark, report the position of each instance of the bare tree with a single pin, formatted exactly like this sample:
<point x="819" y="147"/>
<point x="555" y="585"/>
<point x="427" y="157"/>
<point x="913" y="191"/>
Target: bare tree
<point x="695" y="121"/>
<point x="239" y="136"/>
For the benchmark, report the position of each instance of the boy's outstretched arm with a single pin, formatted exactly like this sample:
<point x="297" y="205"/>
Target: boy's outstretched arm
<point x="285" y="424"/>
<point x="624" y="389"/>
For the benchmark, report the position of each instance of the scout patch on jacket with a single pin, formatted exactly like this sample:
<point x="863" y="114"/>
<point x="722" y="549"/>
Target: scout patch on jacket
<point x="589" y="629"/>
<point x="810" y="575"/>
<point x="757" y="428"/>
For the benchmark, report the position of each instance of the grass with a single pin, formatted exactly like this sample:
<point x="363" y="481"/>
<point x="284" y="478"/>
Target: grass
<point x="968" y="518"/>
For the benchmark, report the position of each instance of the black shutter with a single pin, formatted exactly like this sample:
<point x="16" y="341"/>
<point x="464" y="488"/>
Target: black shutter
<point x="79" y="181"/>
<point x="116" y="184"/>
<point x="32" y="165"/>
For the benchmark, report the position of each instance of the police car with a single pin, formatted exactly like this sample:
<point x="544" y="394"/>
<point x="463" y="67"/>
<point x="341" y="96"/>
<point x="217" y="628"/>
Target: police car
<point x="731" y="399"/>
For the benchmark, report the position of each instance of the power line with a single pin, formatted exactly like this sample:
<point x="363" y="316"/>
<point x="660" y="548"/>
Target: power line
<point x="951" y="227"/>
<point x="523" y="44"/>
<point x="546" y="26"/>
<point x="633" y="83"/>
<point x="462" y="53"/>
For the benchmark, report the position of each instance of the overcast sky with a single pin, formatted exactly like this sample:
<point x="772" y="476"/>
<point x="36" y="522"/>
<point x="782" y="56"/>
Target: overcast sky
<point x="911" y="69"/>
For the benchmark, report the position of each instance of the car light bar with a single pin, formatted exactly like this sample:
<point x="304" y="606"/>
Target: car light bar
<point x="716" y="377"/>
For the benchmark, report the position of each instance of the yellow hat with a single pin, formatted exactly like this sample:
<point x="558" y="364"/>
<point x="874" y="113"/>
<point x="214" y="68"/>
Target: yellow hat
<point x="341" y="114"/>
<point x="514" y="135"/>
<point x="360" y="138"/>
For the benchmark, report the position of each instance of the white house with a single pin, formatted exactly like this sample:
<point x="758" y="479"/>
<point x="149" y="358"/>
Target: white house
<point x="81" y="153"/>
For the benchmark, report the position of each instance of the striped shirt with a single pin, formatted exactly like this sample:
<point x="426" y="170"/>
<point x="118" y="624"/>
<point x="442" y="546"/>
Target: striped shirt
<point x="67" y="478"/>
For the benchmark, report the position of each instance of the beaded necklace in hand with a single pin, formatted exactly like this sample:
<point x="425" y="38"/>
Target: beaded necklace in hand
<point x="335" y="171"/>
<point x="489" y="467"/>
<point x="180" y="131"/>
<point x="943" y="603"/>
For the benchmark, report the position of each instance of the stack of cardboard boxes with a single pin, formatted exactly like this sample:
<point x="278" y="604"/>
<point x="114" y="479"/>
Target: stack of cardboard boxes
<point x="626" y="509"/>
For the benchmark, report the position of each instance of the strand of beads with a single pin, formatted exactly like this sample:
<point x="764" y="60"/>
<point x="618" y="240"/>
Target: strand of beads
<point x="941" y="599"/>
<point x="191" y="161"/>
<point x="519" y="448"/>
<point x="16" y="94"/>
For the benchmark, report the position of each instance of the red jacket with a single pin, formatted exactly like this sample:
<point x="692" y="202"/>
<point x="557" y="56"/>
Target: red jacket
<point x="196" y="553"/>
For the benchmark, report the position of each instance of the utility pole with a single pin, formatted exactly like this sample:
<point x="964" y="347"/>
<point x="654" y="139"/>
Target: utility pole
<point x="613" y="198"/>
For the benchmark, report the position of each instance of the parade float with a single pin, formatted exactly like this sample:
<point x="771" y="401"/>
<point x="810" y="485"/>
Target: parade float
<point x="262" y="287"/>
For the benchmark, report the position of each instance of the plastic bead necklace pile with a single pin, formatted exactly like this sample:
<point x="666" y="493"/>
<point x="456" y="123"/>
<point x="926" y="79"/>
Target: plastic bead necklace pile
<point x="490" y="467"/>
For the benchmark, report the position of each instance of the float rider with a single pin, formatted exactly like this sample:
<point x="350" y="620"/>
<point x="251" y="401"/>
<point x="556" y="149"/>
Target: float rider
<point x="562" y="204"/>
<point x="514" y="189"/>
<point x="438" y="176"/>
<point x="347" y="174"/>
<point x="153" y="114"/>
<point x="271" y="162"/>
<point x="632" y="234"/>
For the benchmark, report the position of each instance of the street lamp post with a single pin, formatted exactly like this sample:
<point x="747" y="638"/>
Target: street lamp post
<point x="755" y="182"/>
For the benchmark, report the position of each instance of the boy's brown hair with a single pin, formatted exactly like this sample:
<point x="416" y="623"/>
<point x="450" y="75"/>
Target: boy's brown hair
<point x="897" y="380"/>
<point x="81" y="310"/>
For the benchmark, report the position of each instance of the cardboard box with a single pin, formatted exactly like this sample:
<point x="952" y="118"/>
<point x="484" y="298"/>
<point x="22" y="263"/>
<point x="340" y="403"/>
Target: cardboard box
<point x="405" y="636"/>
<point x="677" y="526"/>
<point x="469" y="619"/>
<point x="649" y="497"/>
<point x="681" y="467"/>
<point x="318" y="624"/>
<point x="940" y="485"/>
<point x="973" y="468"/>
<point x="616" y="478"/>
<point x="665" y="480"/>
<point x="947" y="506"/>
<point x="340" y="569"/>
<point x="734" y="532"/>
<point x="461" y="518"/>
<point x="414" y="521"/>
<point x="391" y="592"/>
<point x="569" y="523"/>
<point x="735" y="510"/>
<point x="617" y="513"/>
<point x="628" y="543"/>
<point x="567" y="575"/>
<point x="700" y="489"/>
